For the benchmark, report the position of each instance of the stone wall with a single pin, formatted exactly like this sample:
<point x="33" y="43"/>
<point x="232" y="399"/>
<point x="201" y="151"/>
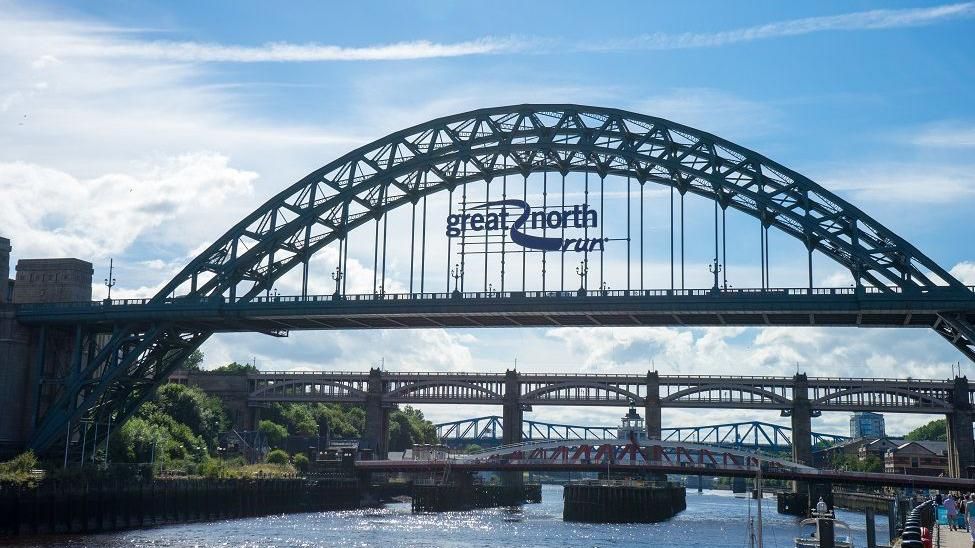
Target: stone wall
<point x="52" y="281"/>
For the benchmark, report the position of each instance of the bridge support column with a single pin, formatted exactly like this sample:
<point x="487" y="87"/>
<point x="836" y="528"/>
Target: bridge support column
<point x="511" y="423"/>
<point x="376" y="436"/>
<point x="513" y="415"/>
<point x="801" y="421"/>
<point x="961" y="442"/>
<point x="652" y="406"/>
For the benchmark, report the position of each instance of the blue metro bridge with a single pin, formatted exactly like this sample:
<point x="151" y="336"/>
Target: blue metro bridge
<point x="488" y="431"/>
<point x="77" y="367"/>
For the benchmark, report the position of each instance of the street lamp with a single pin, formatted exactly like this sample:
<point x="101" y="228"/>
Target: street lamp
<point x="110" y="280"/>
<point x="337" y="276"/>
<point x="715" y="268"/>
<point x="456" y="275"/>
<point x="582" y="270"/>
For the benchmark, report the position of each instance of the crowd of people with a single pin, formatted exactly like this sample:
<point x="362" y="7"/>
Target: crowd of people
<point x="960" y="512"/>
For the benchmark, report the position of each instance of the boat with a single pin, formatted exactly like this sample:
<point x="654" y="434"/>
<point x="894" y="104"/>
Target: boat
<point x="841" y="531"/>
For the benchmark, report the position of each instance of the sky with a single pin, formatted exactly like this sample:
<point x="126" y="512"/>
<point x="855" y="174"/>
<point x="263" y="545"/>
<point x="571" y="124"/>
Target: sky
<point x="141" y="131"/>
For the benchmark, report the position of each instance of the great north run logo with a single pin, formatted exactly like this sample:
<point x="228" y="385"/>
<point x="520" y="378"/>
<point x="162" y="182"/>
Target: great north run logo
<point x="522" y="218"/>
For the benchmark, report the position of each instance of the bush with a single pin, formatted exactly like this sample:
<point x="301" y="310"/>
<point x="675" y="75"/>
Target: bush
<point x="301" y="462"/>
<point x="18" y="469"/>
<point x="278" y="456"/>
<point x="274" y="433"/>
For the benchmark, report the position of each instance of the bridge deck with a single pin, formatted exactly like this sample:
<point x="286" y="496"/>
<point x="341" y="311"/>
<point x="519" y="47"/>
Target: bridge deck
<point x="834" y="476"/>
<point x="692" y="307"/>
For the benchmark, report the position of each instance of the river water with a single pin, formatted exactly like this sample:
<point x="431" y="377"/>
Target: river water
<point x="712" y="519"/>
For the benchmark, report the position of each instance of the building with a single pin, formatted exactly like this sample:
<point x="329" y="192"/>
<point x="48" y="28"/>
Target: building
<point x="867" y="425"/>
<point x="921" y="458"/>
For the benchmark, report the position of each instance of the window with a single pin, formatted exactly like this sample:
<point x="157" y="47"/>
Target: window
<point x="914" y="462"/>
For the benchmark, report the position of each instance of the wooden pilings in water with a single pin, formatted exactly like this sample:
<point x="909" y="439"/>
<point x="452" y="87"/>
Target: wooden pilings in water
<point x="107" y="505"/>
<point x="602" y="501"/>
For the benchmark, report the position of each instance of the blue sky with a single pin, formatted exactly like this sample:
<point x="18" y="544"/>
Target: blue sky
<point x="142" y="131"/>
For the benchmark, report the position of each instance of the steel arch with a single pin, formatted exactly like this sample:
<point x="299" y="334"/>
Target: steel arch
<point x="538" y="395"/>
<point x="396" y="170"/>
<point x="771" y="396"/>
<point x="448" y="152"/>
<point x="422" y="386"/>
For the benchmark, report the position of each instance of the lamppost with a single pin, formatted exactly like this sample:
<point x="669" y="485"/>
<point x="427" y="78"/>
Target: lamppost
<point x="715" y="268"/>
<point x="337" y="276"/>
<point x="582" y="270"/>
<point x="456" y="275"/>
<point x="604" y="289"/>
<point x="110" y="280"/>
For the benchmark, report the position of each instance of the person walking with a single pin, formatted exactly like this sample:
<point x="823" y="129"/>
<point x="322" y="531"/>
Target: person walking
<point x="970" y="517"/>
<point x="951" y="508"/>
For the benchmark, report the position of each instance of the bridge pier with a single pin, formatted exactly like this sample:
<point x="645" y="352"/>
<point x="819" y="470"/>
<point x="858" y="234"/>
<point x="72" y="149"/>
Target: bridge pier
<point x="513" y="415"/>
<point x="961" y="442"/>
<point x="651" y="408"/>
<point x="36" y="360"/>
<point x="376" y="435"/>
<point x="801" y="421"/>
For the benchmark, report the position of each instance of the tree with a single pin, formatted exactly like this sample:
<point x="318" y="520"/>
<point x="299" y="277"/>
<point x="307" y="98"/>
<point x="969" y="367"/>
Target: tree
<point x="274" y="433"/>
<point x="203" y="414"/>
<point x="301" y="462"/>
<point x="234" y="368"/>
<point x="277" y="456"/>
<point x="297" y="418"/>
<point x="936" y="430"/>
<point x="194" y="362"/>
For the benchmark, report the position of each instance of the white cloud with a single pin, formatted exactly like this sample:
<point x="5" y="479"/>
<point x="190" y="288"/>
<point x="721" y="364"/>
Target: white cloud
<point x="712" y="110"/>
<point x="905" y="183"/>
<point x="948" y="135"/>
<point x="864" y="20"/>
<point x="286" y="52"/>
<point x="964" y="272"/>
<point x="51" y="213"/>
<point x="189" y="51"/>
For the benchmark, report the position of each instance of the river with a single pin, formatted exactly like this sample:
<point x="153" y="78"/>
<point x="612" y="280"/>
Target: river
<point x="712" y="519"/>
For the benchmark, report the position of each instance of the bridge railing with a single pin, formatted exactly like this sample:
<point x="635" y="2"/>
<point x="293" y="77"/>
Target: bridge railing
<point x="367" y="297"/>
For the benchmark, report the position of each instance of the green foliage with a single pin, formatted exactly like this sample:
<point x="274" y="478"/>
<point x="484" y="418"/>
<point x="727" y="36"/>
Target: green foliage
<point x="853" y="463"/>
<point x="343" y="422"/>
<point x="233" y="368"/>
<point x="17" y="470"/>
<point x="181" y="425"/>
<point x="203" y="414"/>
<point x="277" y="456"/>
<point x="936" y="430"/>
<point x="472" y="448"/>
<point x="408" y="427"/>
<point x="297" y="418"/>
<point x="301" y="462"/>
<point x="274" y="433"/>
<point x="194" y="362"/>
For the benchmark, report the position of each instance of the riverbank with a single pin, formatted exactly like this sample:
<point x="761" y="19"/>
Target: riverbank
<point x="99" y="506"/>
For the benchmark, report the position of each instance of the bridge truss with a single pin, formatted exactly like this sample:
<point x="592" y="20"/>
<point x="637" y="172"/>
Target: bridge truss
<point x="122" y="350"/>
<point x="752" y="434"/>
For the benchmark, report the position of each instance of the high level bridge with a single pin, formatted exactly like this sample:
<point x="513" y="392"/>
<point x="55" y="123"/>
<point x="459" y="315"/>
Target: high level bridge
<point x="517" y="216"/>
<point x="799" y="397"/>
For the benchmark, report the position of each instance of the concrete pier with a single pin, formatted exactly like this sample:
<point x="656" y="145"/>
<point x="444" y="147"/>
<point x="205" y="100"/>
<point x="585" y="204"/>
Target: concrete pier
<point x="602" y="501"/>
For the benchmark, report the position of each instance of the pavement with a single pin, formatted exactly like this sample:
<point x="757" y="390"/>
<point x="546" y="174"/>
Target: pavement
<point x="952" y="539"/>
